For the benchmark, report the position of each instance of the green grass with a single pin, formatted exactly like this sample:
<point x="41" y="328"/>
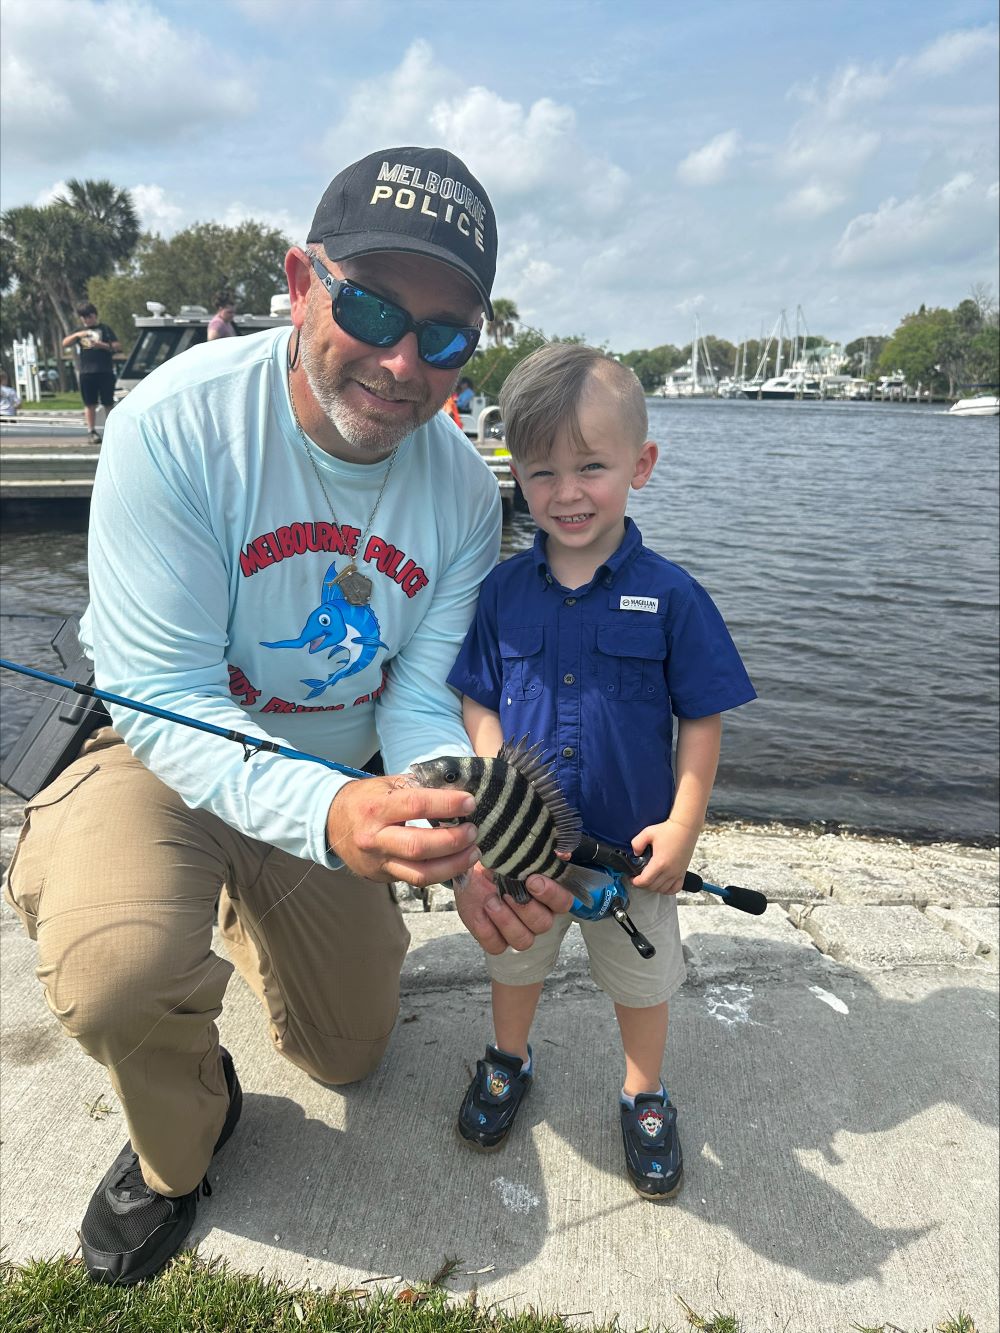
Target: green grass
<point x="60" y="402"/>
<point x="56" y="1296"/>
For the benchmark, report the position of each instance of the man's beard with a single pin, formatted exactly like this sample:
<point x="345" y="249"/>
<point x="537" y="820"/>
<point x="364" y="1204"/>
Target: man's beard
<point x="367" y="432"/>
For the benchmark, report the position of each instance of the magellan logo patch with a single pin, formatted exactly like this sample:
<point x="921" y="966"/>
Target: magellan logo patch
<point x="639" y="604"/>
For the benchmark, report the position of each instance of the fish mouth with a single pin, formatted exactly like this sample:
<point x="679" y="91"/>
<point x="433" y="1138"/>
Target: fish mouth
<point x="316" y="644"/>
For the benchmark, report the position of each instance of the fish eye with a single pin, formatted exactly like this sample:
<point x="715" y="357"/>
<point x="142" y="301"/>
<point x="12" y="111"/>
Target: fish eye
<point x="451" y="775"/>
<point x="323" y="618"/>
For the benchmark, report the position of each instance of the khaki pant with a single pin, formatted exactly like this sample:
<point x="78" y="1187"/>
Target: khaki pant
<point x="119" y="882"/>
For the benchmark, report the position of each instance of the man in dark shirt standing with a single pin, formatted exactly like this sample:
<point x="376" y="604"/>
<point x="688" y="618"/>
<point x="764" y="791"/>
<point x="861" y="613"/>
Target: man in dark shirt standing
<point x="95" y="343"/>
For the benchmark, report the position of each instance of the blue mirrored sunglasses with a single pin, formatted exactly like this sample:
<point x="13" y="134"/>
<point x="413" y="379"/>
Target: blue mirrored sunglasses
<point x="380" y="323"/>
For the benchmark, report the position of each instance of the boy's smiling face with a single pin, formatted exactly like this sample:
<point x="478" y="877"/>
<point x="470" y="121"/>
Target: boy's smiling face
<point x="578" y="495"/>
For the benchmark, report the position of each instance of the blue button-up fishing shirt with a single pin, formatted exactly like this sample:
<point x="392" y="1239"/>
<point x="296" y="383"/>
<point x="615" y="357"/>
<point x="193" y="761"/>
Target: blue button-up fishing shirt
<point x="598" y="673"/>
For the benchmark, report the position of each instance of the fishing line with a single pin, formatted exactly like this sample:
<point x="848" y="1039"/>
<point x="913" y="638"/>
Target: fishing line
<point x="249" y="743"/>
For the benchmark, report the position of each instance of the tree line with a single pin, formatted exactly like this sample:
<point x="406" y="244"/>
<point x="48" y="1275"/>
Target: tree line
<point x="87" y="245"/>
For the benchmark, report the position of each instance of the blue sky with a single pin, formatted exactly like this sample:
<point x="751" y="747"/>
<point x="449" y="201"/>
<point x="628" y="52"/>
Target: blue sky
<point x="647" y="160"/>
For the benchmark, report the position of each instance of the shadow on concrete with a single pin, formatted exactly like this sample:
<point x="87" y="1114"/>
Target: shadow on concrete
<point x="809" y="1134"/>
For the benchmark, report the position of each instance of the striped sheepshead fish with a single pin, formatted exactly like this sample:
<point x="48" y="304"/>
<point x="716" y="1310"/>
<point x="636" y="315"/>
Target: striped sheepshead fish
<point x="521" y="814"/>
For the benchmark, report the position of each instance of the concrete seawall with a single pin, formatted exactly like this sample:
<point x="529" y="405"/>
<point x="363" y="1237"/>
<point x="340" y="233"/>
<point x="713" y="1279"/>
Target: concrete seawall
<point x="834" y="1063"/>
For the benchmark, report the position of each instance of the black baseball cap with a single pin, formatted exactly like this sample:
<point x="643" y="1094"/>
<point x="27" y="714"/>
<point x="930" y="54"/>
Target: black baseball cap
<point x="423" y="201"/>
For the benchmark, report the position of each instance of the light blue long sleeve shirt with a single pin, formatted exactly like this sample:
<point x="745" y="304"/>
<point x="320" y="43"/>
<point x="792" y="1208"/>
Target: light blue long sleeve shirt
<point x="212" y="554"/>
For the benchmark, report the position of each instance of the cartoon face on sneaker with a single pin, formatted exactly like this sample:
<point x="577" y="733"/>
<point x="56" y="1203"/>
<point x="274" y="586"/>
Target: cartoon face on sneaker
<point x="651" y="1121"/>
<point x="578" y="492"/>
<point x="499" y="1083"/>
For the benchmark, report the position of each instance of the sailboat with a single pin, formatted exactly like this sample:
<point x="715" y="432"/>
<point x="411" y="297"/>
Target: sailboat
<point x="686" y="381"/>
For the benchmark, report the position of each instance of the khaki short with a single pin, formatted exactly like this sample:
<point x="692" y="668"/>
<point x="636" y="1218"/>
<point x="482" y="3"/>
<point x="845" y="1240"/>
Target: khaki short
<point x="121" y="884"/>
<point x="615" y="965"/>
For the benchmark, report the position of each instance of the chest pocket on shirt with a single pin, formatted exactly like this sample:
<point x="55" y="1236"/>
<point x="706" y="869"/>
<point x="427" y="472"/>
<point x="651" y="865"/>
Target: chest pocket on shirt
<point x="630" y="661"/>
<point x="521" y="651"/>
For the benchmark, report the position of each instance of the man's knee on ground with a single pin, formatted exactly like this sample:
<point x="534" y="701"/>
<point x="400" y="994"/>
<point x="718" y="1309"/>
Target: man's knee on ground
<point x="338" y="1062"/>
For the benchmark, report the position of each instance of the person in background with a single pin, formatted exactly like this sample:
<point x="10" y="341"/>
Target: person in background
<point x="221" y="324"/>
<point x="9" y="400"/>
<point x="290" y="502"/>
<point x="464" y="394"/>
<point x="589" y="644"/>
<point x="95" y="344"/>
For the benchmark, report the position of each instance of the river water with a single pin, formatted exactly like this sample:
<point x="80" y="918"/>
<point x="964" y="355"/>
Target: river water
<point x="851" y="547"/>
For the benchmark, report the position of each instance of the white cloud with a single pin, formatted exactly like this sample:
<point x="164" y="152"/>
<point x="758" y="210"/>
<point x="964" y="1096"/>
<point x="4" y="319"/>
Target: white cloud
<point x="812" y="200"/>
<point x="50" y="194"/>
<point x="390" y="109"/>
<point x="837" y="151"/>
<point x="156" y="212"/>
<point x="954" y="223"/>
<point x="526" y="156"/>
<point x="853" y="85"/>
<point x="76" y="75"/>
<point x="955" y="49"/>
<point x="710" y="164"/>
<point x="278" y="218"/>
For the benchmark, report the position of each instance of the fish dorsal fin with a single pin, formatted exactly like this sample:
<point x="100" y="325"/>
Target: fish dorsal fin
<point x="536" y="769"/>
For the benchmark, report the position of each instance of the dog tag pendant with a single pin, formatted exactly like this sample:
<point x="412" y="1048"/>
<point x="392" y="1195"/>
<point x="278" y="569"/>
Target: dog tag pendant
<point x="357" y="588"/>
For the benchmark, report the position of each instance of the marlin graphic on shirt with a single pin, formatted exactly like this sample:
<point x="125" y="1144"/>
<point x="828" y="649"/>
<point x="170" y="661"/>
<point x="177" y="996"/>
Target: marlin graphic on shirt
<point x="351" y="633"/>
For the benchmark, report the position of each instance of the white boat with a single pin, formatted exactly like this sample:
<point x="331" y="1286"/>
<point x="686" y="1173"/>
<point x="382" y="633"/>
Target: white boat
<point x="688" y="381"/>
<point x="785" y="387"/>
<point x="160" y="336"/>
<point x="983" y="405"/>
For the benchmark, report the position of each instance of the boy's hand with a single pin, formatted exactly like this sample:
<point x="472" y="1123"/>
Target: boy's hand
<point x="672" y="847"/>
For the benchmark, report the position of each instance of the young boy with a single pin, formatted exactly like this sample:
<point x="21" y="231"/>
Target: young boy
<point x="589" y="643"/>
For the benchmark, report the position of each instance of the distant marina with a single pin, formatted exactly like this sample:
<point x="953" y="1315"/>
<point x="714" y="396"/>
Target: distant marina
<point x="802" y="373"/>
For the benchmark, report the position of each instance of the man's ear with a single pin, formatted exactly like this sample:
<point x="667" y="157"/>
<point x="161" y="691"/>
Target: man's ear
<point x="297" y="272"/>
<point x="644" y="464"/>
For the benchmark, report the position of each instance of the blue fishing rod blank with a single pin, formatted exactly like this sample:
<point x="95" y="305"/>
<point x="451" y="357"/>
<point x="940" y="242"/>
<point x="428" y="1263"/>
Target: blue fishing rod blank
<point x="249" y="743"/>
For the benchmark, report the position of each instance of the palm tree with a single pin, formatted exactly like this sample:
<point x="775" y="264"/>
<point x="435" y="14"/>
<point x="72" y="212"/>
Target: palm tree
<point x="505" y="316"/>
<point x="111" y="209"/>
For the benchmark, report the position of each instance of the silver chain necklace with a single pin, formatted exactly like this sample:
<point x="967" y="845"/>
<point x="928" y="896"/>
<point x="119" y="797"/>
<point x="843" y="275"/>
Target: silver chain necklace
<point x="356" y="587"/>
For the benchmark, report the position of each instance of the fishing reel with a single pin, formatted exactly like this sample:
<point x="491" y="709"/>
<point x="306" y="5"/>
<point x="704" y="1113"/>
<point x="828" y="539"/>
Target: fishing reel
<point x="610" y="872"/>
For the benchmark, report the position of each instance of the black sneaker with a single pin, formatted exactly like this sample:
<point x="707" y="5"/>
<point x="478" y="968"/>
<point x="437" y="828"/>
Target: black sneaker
<point x="652" y="1149"/>
<point x="129" y="1231"/>
<point x="492" y="1101"/>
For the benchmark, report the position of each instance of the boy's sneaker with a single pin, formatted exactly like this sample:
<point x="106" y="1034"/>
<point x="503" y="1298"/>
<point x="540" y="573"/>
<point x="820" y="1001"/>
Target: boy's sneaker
<point x="652" y="1149"/>
<point x="129" y="1231"/>
<point x="94" y="437"/>
<point x="492" y="1101"/>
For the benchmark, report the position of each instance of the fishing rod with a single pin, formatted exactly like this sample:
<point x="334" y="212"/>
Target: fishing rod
<point x="250" y="743"/>
<point x="611" y="900"/>
<point x="612" y="897"/>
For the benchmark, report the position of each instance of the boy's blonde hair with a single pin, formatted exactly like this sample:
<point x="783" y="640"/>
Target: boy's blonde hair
<point x="543" y="392"/>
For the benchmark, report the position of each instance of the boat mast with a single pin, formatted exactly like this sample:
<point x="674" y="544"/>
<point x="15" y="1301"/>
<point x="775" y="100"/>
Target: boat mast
<point x="781" y="329"/>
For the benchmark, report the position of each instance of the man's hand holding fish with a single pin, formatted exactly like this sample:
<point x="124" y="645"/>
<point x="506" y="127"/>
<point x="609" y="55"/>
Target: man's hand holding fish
<point x="368" y="829"/>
